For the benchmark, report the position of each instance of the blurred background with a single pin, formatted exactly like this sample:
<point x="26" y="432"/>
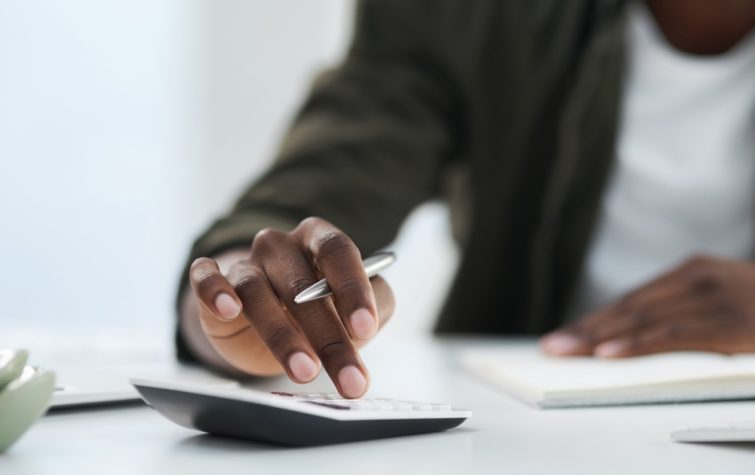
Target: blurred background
<point x="125" y="127"/>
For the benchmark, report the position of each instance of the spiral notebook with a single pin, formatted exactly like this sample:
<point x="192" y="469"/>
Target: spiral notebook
<point x="523" y="371"/>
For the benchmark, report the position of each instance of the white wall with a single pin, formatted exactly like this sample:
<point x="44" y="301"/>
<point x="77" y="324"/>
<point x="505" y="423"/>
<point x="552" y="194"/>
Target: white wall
<point x="124" y="127"/>
<point x="257" y="60"/>
<point x="97" y="114"/>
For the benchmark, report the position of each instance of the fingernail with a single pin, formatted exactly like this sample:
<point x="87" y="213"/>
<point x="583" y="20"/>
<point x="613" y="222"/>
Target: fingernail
<point x="363" y="324"/>
<point x="302" y="367"/>
<point x="352" y="381"/>
<point x="610" y="349"/>
<point x="227" y="307"/>
<point x="562" y="344"/>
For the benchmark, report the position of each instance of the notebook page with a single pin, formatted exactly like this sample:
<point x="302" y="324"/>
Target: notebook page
<point x="526" y="364"/>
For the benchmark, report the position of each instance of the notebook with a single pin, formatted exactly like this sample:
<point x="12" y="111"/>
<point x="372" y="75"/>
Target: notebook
<point x="523" y="371"/>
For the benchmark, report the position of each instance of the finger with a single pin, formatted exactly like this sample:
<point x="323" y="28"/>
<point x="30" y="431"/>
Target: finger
<point x="290" y="272"/>
<point x="674" y="321"/>
<point x="694" y="334"/>
<point x="575" y="339"/>
<point x="609" y="322"/>
<point x="567" y="341"/>
<point x="213" y="290"/>
<point x="385" y="305"/>
<point x="386" y="302"/>
<point x="678" y="313"/>
<point x="627" y="315"/>
<point x="216" y="296"/>
<point x="579" y="338"/>
<point x="338" y="259"/>
<point x="280" y="334"/>
<point x="615" y="320"/>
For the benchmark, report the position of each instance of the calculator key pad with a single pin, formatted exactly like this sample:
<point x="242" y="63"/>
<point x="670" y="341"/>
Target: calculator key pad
<point x="367" y="404"/>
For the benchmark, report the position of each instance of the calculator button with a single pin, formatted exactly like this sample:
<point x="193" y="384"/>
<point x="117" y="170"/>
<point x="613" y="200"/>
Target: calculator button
<point x="304" y="397"/>
<point x="368" y="404"/>
<point x="329" y="404"/>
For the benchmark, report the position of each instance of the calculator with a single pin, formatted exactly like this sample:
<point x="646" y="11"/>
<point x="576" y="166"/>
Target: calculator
<point x="294" y="419"/>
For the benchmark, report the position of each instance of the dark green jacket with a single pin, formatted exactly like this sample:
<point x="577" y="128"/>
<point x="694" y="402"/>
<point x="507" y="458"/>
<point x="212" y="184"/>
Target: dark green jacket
<point x="506" y="108"/>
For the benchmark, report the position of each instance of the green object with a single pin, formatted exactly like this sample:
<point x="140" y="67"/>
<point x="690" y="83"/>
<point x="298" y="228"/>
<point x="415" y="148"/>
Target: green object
<point x="23" y="399"/>
<point x="12" y="362"/>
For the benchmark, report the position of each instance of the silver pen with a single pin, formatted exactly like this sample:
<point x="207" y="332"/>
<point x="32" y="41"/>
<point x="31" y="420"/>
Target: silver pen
<point x="372" y="266"/>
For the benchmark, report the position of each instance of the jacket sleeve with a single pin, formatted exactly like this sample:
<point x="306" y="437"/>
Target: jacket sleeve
<point x="366" y="147"/>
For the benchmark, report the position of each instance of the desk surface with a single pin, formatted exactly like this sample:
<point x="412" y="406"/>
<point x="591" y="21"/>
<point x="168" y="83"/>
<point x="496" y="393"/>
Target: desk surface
<point x="503" y="436"/>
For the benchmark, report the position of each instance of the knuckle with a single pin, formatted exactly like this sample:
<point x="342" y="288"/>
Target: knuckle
<point x="280" y="338"/>
<point x="249" y="282"/>
<point x="698" y="261"/>
<point x="268" y="238"/>
<point x="297" y="285"/>
<point x="201" y="269"/>
<point x="350" y="285"/>
<point x="330" y="349"/>
<point x="200" y="262"/>
<point x="334" y="245"/>
<point x="312" y="222"/>
<point x="700" y="274"/>
<point x="203" y="278"/>
<point x="309" y="313"/>
<point x="704" y="279"/>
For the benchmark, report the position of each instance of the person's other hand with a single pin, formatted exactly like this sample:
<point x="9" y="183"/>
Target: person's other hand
<point x="705" y="304"/>
<point x="251" y="319"/>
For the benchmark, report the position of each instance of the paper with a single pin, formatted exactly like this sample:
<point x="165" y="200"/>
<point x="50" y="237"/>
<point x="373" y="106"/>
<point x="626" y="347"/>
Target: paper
<point x="544" y="381"/>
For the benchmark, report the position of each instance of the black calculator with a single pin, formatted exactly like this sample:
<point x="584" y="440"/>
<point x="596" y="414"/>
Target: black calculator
<point x="294" y="419"/>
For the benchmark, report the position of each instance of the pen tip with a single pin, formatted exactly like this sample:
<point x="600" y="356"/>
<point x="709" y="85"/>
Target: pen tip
<point x="304" y="296"/>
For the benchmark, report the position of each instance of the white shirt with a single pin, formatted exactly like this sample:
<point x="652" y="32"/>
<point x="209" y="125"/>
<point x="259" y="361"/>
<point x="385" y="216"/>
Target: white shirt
<point x="684" y="174"/>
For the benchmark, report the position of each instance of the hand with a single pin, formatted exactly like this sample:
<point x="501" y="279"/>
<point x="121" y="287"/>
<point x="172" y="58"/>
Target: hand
<point x="706" y="304"/>
<point x="250" y="317"/>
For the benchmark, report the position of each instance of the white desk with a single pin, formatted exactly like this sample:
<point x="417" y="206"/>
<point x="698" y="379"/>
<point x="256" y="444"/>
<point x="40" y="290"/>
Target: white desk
<point x="503" y="436"/>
